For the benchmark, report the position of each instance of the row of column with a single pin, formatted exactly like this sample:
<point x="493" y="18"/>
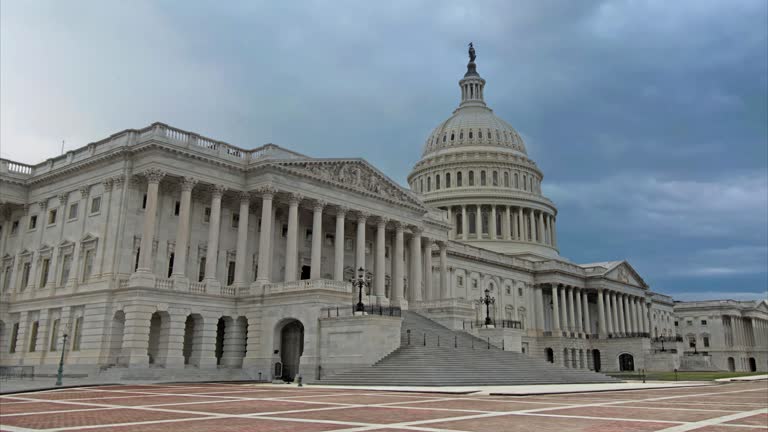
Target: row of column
<point x="621" y="314"/>
<point x="420" y="256"/>
<point x="747" y="331"/>
<point x="517" y="223"/>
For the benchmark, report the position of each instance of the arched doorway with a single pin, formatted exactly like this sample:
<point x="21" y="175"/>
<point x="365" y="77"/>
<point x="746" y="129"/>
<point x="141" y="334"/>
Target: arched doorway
<point x="193" y="337"/>
<point x="116" y="341"/>
<point x="222" y="327"/>
<point x="596" y="360"/>
<point x="550" y="355"/>
<point x="731" y="364"/>
<point x="752" y="364"/>
<point x="626" y="362"/>
<point x="159" y="325"/>
<point x="2" y="337"/>
<point x="291" y="348"/>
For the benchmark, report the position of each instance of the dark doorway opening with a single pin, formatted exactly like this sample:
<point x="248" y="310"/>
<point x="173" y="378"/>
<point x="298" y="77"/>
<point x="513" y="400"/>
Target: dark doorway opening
<point x="626" y="362"/>
<point x="305" y="272"/>
<point x="550" y="355"/>
<point x="596" y="360"/>
<point x="291" y="349"/>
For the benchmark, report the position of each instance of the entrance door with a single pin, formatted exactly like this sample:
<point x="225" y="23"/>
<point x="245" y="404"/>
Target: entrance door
<point x="291" y="349"/>
<point x="752" y="364"/>
<point x="305" y="272"/>
<point x="596" y="360"/>
<point x="626" y="363"/>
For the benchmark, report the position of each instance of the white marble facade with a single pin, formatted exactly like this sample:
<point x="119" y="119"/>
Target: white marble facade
<point x="158" y="247"/>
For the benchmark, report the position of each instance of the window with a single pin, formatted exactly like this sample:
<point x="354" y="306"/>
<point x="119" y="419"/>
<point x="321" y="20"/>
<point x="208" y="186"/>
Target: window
<point x="144" y="201"/>
<point x="52" y="216"/>
<point x="44" y="272"/>
<point x="703" y="322"/>
<point x="33" y="336"/>
<point x="452" y="136"/>
<point x="33" y="222"/>
<point x="66" y="263"/>
<point x="508" y="289"/>
<point x="519" y="291"/>
<point x="25" y="274"/>
<point x="471" y="178"/>
<point x="495" y="178"/>
<point x="421" y="185"/>
<point x="308" y="236"/>
<point x="207" y="215"/>
<point x="7" y="277"/>
<point x="14" y="227"/>
<point x="88" y="265"/>
<point x="176" y="208"/>
<point x="54" y="335"/>
<point x="95" y="204"/>
<point x="201" y="270"/>
<point x="437" y="182"/>
<point x="706" y="341"/>
<point x="72" y="211"/>
<point x="689" y="322"/>
<point x="470" y="134"/>
<point x="458" y="179"/>
<point x="506" y="179"/>
<point x="235" y="220"/>
<point x="136" y="261"/>
<point x="692" y="342"/>
<point x="459" y="223"/>
<point x="480" y="134"/>
<point x="429" y="184"/>
<point x="329" y="239"/>
<point x="474" y="283"/>
<point x="675" y="323"/>
<point x="231" y="273"/>
<point x="284" y="232"/>
<point x="14" y="338"/>
<point x="77" y="334"/>
<point x="460" y="280"/>
<point x="170" y="263"/>
<point x="482" y="178"/>
<point x="447" y="180"/>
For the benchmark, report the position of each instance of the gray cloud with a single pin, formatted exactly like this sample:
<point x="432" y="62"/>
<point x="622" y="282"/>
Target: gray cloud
<point x="648" y="118"/>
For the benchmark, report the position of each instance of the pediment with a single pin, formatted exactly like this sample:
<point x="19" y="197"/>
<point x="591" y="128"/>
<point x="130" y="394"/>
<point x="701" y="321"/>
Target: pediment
<point x="88" y="237"/>
<point x="624" y="273"/>
<point x="355" y="174"/>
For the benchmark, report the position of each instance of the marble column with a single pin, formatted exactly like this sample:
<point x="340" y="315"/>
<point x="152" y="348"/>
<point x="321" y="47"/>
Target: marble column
<point x="539" y="305"/>
<point x="563" y="307"/>
<point x="608" y="313"/>
<point x="416" y="282"/>
<point x="214" y="226"/>
<point x="571" y="310"/>
<point x="507" y="225"/>
<point x="360" y="244"/>
<point x="532" y="226"/>
<point x="520" y="225"/>
<point x="620" y="308"/>
<point x="464" y="223"/>
<point x="242" y="239"/>
<point x="579" y="315"/>
<point x="628" y="314"/>
<point x="315" y="269"/>
<point x="77" y="267"/>
<point x="541" y="228"/>
<point x="556" y="330"/>
<point x="150" y="219"/>
<point x="292" y="238"/>
<point x="265" y="233"/>
<point x="182" y="232"/>
<point x="429" y="293"/>
<point x="492" y="223"/>
<point x="444" y="290"/>
<point x="397" y="269"/>
<point x="585" y="305"/>
<point x="338" y="245"/>
<point x="380" y="262"/>
<point x="479" y="222"/>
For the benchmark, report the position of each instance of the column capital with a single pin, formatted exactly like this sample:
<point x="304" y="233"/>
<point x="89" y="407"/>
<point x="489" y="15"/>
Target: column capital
<point x="319" y="205"/>
<point x="217" y="190"/>
<point x="341" y="210"/>
<point x="43" y="205"/>
<point x="244" y="197"/>
<point x="118" y="181"/>
<point x="108" y="183"/>
<point x="442" y="244"/>
<point x="267" y="191"/>
<point x="63" y="198"/>
<point x="427" y="242"/>
<point x="416" y="230"/>
<point x="85" y="190"/>
<point x="188" y="183"/>
<point x="399" y="226"/>
<point x="381" y="221"/>
<point x="362" y="216"/>
<point x="295" y="198"/>
<point x="154" y="175"/>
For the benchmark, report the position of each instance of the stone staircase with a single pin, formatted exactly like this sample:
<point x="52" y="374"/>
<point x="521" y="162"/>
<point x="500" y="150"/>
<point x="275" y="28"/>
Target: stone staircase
<point x="460" y="360"/>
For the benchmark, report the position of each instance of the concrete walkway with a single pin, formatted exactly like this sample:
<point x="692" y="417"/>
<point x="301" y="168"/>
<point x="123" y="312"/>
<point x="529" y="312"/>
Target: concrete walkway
<point x="743" y="378"/>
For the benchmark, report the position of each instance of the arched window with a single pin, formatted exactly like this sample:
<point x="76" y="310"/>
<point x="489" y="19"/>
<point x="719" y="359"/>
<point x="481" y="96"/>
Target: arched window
<point x="480" y="134"/>
<point x="447" y="180"/>
<point x="482" y="178"/>
<point x="444" y="137"/>
<point x="506" y="179"/>
<point x="498" y="222"/>
<point x="459" y="223"/>
<point x="485" y="222"/>
<point x="451" y="136"/>
<point x="421" y="185"/>
<point x="517" y="183"/>
<point x="429" y="184"/>
<point x="461" y="134"/>
<point x="472" y="223"/>
<point x="458" y="179"/>
<point x="437" y="182"/>
<point x="626" y="363"/>
<point x="471" y="178"/>
<point x="525" y="182"/>
<point x="495" y="178"/>
<point x="470" y="134"/>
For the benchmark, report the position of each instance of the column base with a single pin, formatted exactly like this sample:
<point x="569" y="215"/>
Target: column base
<point x="180" y="283"/>
<point x="142" y="279"/>
<point x="382" y="301"/>
<point x="401" y="303"/>
<point x="212" y="286"/>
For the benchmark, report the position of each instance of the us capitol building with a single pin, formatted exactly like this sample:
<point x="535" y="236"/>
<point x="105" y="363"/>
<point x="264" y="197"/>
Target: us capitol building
<point x="161" y="253"/>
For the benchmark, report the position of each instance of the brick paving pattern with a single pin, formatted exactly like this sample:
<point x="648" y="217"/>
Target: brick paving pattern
<point x="735" y="407"/>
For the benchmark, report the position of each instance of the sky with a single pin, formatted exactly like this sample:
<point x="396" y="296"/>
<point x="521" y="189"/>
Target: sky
<point x="649" y="119"/>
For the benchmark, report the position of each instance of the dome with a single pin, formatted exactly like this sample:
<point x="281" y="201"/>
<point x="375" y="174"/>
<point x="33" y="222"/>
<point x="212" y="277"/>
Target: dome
<point x="475" y="126"/>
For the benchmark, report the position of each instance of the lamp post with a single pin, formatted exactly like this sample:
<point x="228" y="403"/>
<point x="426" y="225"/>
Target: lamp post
<point x="60" y="374"/>
<point x="487" y="300"/>
<point x="360" y="282"/>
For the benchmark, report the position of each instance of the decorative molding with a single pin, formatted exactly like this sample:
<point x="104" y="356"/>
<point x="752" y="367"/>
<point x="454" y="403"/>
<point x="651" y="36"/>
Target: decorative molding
<point x="85" y="191"/>
<point x="188" y="183"/>
<point x="154" y="175"/>
<point x="108" y="183"/>
<point x="267" y="191"/>
<point x="217" y="190"/>
<point x="295" y="198"/>
<point x="319" y="205"/>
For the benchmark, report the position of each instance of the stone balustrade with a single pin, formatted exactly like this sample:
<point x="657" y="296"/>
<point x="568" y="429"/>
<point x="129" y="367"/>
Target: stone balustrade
<point x="308" y="284"/>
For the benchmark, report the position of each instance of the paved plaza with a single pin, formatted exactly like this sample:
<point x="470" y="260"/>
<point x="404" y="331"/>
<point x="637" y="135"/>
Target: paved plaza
<point x="732" y="407"/>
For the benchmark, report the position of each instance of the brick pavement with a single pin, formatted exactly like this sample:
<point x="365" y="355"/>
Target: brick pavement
<point x="734" y="407"/>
